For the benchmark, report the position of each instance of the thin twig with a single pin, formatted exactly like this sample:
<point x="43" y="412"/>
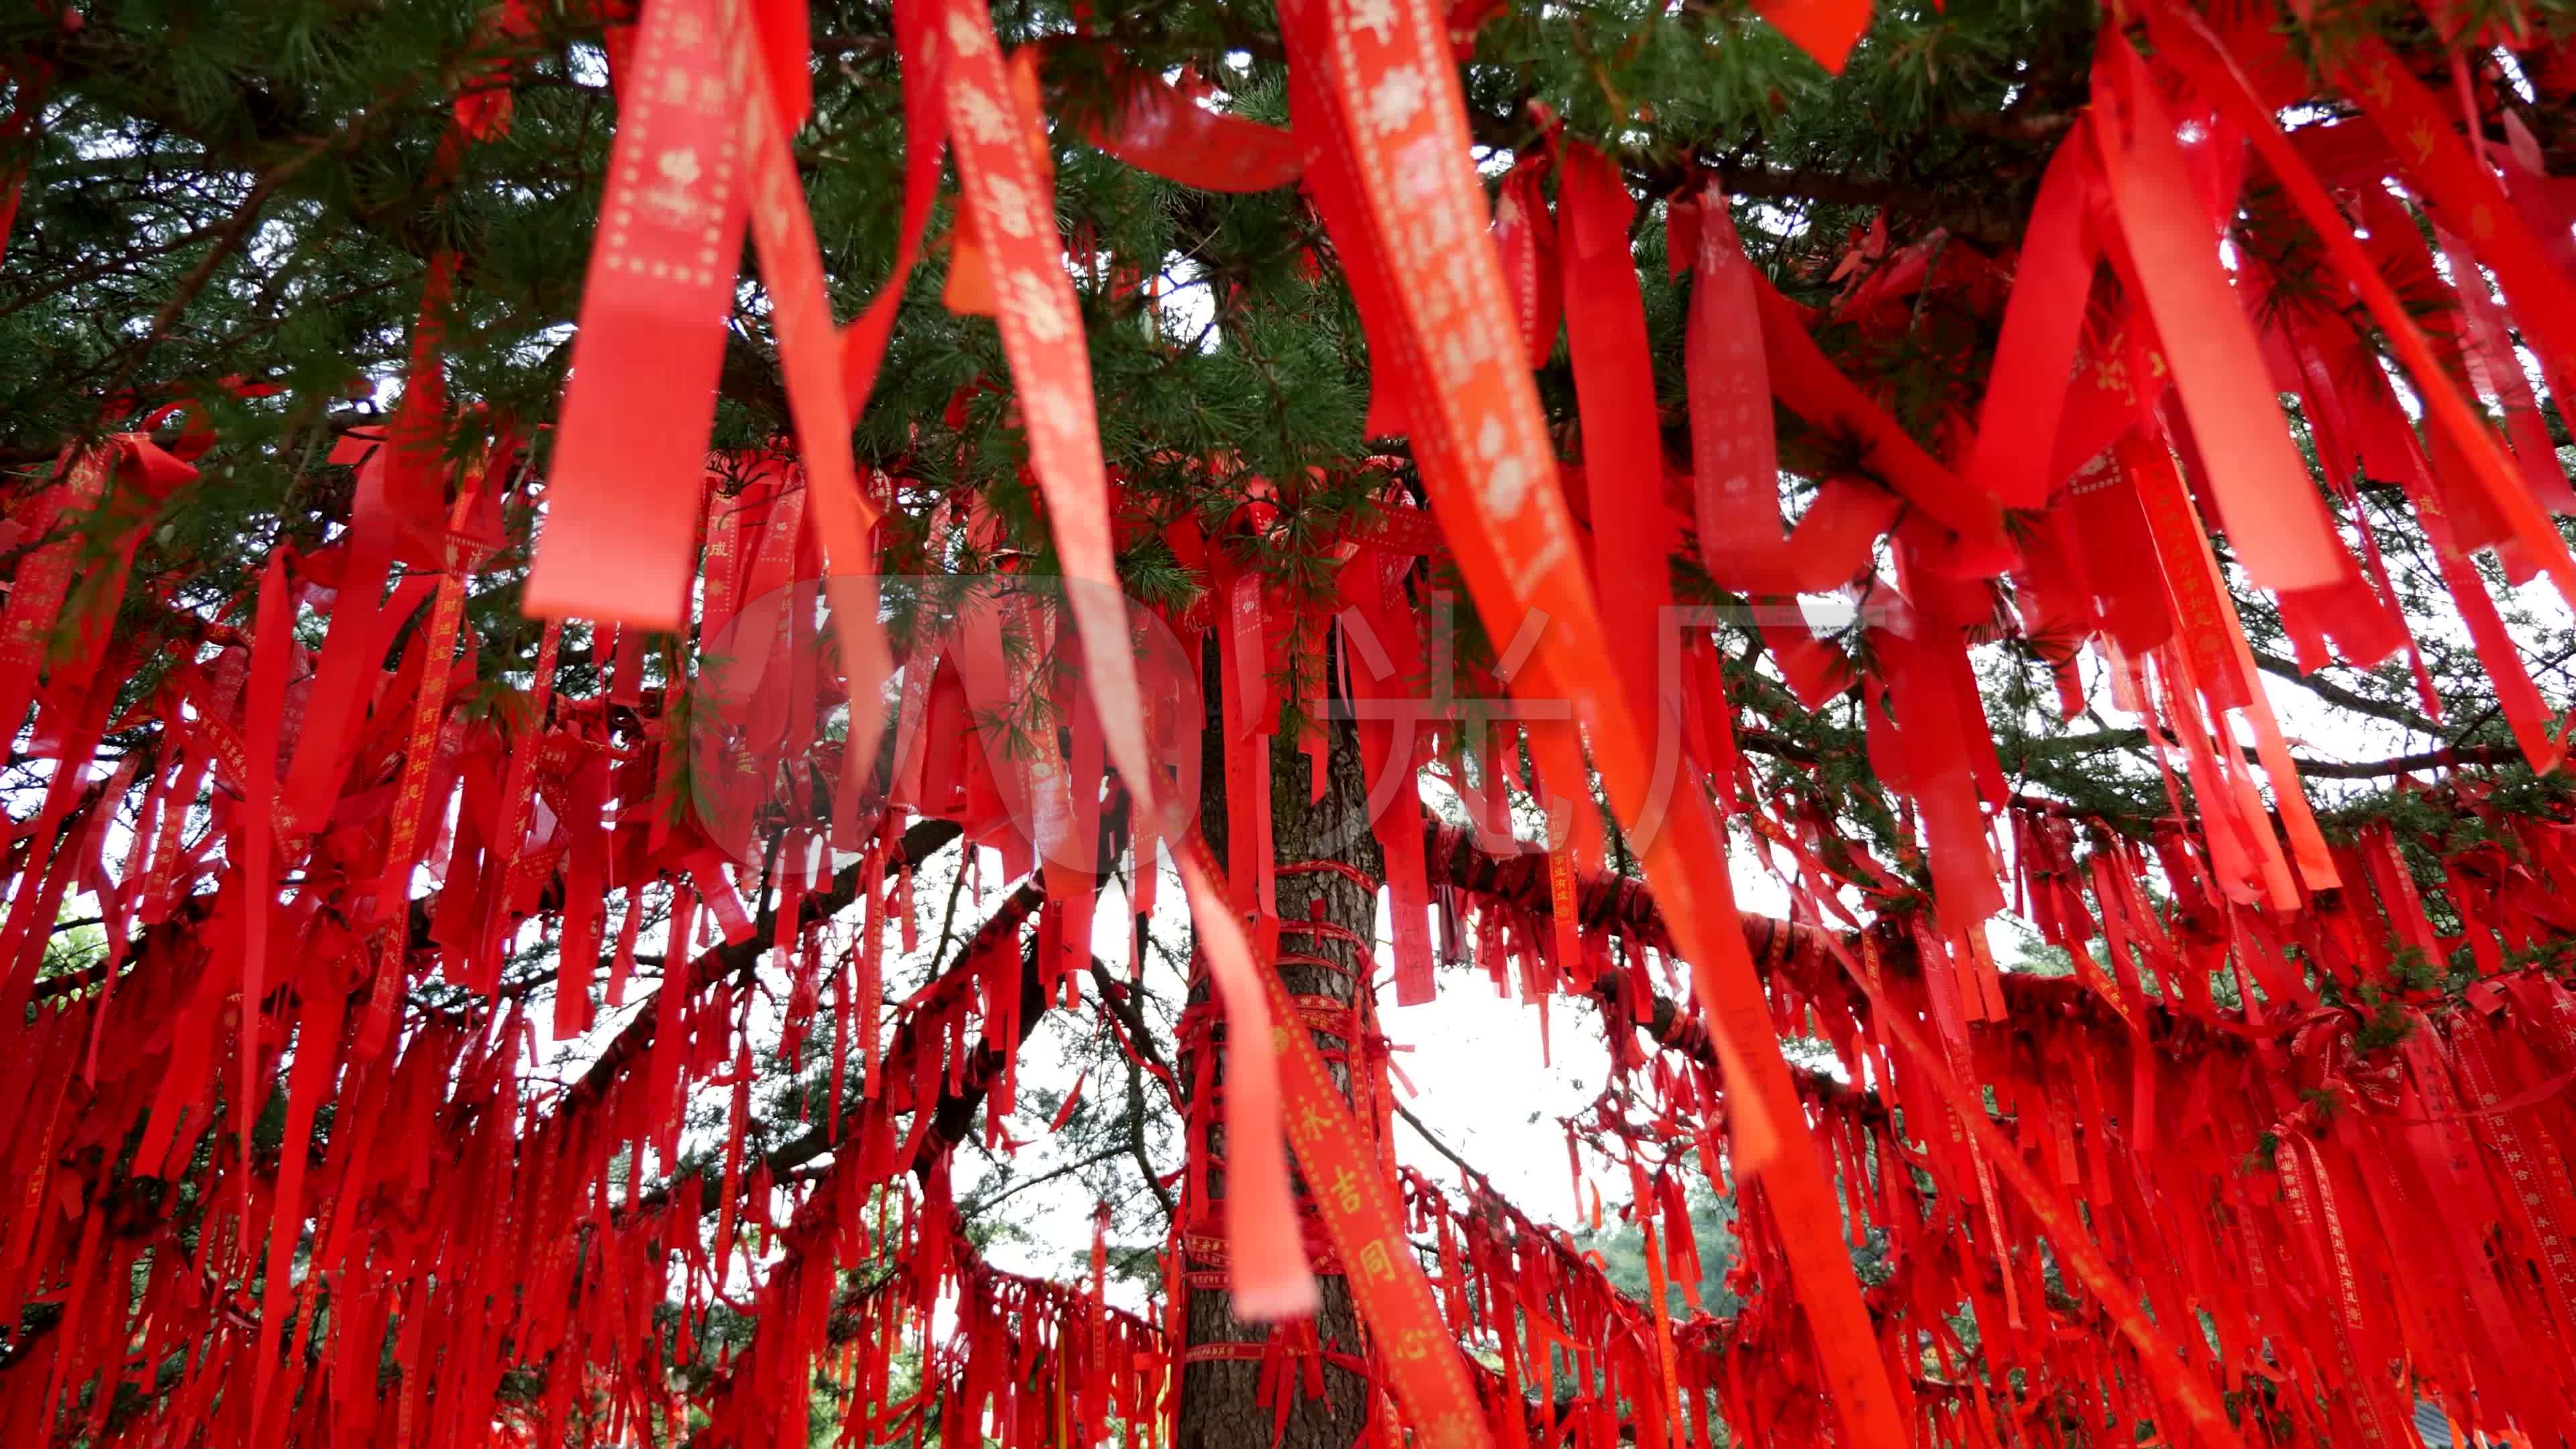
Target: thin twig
<point x="1115" y="1000"/>
<point x="1131" y="1020"/>
<point x="1439" y="1146"/>
<point x="122" y="261"/>
<point x="227" y="241"/>
<point x="1050" y="1175"/>
<point x="948" y="918"/>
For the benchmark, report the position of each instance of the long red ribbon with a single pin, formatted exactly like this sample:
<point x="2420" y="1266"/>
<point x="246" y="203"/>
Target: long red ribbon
<point x="1485" y="456"/>
<point x="630" y="450"/>
<point x="791" y="263"/>
<point x="999" y="143"/>
<point x="2272" y="513"/>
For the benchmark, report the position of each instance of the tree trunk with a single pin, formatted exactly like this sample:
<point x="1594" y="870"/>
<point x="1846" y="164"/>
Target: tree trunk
<point x="1219" y="1406"/>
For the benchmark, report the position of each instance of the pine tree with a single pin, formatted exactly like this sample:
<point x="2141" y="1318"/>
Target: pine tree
<point x="240" y="208"/>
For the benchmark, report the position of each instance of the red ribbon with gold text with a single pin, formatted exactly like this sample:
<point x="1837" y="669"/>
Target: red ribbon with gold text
<point x="630" y="451"/>
<point x="1394" y="122"/>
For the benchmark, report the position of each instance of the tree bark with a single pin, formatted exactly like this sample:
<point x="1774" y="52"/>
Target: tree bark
<point x="1219" y="1404"/>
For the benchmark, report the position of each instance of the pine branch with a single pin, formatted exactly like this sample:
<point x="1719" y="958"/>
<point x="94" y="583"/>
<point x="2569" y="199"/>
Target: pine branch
<point x="1625" y="907"/>
<point x="1115" y="999"/>
<point x="227" y="241"/>
<point x="2454" y="757"/>
<point x="954" y="1113"/>
<point x="122" y="261"/>
<point x="629" y="1047"/>
<point x="973" y="1210"/>
<point x="955" y="1109"/>
<point x="2333" y="693"/>
<point x="1962" y="211"/>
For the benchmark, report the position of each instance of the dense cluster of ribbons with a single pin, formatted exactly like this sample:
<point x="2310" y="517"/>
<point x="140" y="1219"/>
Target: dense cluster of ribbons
<point x="283" y="1170"/>
<point x="2359" y="1195"/>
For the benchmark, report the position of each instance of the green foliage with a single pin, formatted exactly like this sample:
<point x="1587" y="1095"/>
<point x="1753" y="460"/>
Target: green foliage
<point x="75" y="946"/>
<point x="1623" y="1252"/>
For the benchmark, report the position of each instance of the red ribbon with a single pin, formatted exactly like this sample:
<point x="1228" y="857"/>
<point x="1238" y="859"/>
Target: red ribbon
<point x="630" y="451"/>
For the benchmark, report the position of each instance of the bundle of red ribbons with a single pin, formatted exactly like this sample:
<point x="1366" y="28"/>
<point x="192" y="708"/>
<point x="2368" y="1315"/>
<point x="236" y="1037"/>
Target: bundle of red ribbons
<point x="2303" y="1168"/>
<point x="2358" y="1204"/>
